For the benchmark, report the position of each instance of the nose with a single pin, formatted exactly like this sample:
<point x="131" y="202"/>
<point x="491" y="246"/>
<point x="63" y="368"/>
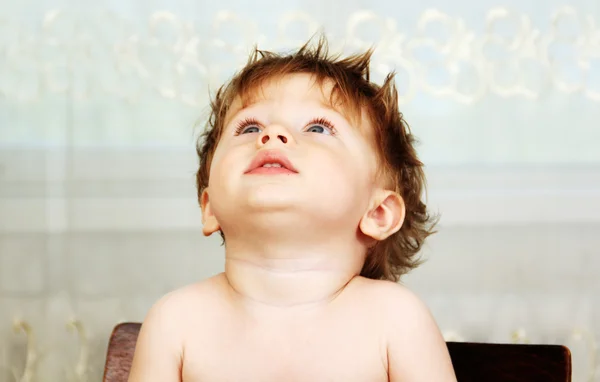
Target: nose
<point x="275" y="134"/>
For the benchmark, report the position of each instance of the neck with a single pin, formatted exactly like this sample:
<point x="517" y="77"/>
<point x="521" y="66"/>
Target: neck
<point x="284" y="275"/>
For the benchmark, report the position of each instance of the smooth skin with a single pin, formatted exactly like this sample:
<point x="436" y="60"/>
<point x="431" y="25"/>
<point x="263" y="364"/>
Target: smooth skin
<point x="291" y="305"/>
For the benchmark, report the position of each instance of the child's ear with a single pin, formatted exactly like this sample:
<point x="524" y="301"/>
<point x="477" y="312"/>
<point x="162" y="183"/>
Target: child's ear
<point x="209" y="221"/>
<point x="384" y="216"/>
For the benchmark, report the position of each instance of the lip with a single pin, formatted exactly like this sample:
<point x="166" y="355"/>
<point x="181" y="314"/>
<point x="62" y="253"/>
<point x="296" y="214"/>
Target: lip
<point x="271" y="156"/>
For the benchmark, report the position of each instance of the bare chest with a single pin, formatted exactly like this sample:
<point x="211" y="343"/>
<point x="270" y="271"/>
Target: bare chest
<point x="317" y="350"/>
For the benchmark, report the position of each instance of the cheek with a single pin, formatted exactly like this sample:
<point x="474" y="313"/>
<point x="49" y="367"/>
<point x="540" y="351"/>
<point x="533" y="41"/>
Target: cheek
<point x="224" y="161"/>
<point x="221" y="169"/>
<point x="345" y="179"/>
<point x="356" y="165"/>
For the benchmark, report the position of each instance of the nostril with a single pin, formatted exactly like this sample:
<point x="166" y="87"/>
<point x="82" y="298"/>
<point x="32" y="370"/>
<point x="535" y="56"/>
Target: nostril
<point x="265" y="139"/>
<point x="283" y="138"/>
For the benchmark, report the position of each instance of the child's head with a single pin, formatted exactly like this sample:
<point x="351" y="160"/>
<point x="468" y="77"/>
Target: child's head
<point x="354" y="161"/>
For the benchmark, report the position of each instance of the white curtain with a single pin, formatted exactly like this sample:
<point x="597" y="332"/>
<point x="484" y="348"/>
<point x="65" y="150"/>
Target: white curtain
<point x="100" y="103"/>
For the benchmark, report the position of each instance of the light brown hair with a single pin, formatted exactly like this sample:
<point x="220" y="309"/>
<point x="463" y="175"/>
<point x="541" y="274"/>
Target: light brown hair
<point x="392" y="138"/>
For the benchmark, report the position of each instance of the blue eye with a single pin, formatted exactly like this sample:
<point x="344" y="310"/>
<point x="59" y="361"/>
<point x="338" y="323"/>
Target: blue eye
<point x="250" y="129"/>
<point x="321" y="126"/>
<point x="247" y="125"/>
<point x="317" y="129"/>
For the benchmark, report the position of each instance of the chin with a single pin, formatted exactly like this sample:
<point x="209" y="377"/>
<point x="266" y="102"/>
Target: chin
<point x="271" y="196"/>
<point x="266" y="203"/>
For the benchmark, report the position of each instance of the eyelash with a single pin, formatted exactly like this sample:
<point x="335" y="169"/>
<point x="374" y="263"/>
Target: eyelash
<point x="316" y="121"/>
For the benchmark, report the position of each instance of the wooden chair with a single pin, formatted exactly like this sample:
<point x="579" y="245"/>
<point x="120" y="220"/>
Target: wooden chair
<point x="473" y="362"/>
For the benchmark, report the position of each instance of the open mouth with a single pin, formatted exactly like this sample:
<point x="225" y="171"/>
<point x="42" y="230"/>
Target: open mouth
<point x="271" y="162"/>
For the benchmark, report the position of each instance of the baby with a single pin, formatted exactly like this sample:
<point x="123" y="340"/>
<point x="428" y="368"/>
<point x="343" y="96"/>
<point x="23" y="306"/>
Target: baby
<point x="308" y="172"/>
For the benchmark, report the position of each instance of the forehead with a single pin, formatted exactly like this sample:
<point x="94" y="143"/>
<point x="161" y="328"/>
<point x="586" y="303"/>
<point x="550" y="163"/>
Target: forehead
<point x="298" y="87"/>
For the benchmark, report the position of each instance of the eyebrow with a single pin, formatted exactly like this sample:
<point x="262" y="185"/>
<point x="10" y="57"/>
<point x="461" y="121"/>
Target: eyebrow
<point x="231" y="114"/>
<point x="255" y="100"/>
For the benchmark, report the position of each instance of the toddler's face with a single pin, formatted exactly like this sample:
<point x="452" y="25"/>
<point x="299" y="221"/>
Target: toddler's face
<point x="328" y="166"/>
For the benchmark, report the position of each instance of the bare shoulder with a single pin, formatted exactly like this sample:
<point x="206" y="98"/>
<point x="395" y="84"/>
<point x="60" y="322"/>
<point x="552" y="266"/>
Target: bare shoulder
<point x="416" y="349"/>
<point x="160" y="345"/>
<point x="180" y="303"/>
<point x="397" y="299"/>
<point x="390" y="298"/>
